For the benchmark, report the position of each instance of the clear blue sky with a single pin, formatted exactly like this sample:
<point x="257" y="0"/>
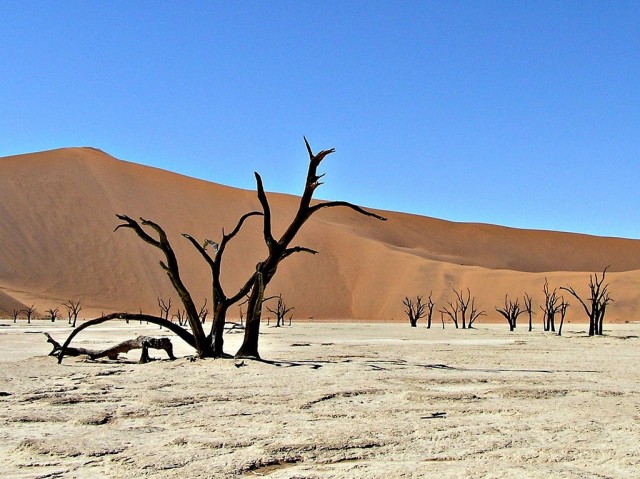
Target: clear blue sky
<point x="519" y="113"/>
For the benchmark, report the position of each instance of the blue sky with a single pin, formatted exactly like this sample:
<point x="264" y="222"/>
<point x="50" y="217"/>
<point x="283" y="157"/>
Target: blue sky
<point x="525" y="114"/>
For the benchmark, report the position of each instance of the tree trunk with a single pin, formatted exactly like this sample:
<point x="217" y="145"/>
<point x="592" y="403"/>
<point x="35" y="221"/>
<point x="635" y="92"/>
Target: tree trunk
<point x="601" y="318"/>
<point x="219" y="320"/>
<point x="249" y="348"/>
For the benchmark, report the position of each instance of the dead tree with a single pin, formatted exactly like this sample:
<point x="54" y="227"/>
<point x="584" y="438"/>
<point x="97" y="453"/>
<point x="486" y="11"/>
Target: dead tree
<point x="510" y="311"/>
<point x="53" y="313"/>
<point x="29" y="311"/>
<point x="181" y="316"/>
<point x="164" y="308"/>
<point x="563" y="312"/>
<point x="73" y="308"/>
<point x="551" y="307"/>
<point x="596" y="305"/>
<point x="279" y="249"/>
<point x="452" y="311"/>
<point x="475" y="313"/>
<point x="141" y="342"/>
<point x="460" y="312"/>
<point x="212" y="345"/>
<point x="414" y="311"/>
<point x="464" y="306"/>
<point x="430" y="305"/>
<point x="280" y="311"/>
<point x="182" y="333"/>
<point x="204" y="312"/>
<point x="528" y="307"/>
<point x="15" y="314"/>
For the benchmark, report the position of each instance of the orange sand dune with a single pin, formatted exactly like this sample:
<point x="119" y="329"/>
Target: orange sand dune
<point x="57" y="217"/>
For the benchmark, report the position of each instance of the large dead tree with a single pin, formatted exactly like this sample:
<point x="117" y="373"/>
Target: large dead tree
<point x="511" y="310"/>
<point x="211" y="345"/>
<point x="596" y="305"/>
<point x="281" y="248"/>
<point x="414" y="311"/>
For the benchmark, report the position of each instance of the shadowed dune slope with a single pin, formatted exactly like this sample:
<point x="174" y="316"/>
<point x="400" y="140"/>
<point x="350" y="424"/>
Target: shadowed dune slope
<point x="57" y="217"/>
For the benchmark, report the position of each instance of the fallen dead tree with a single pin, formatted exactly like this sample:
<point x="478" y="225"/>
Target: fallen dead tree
<point x="141" y="342"/>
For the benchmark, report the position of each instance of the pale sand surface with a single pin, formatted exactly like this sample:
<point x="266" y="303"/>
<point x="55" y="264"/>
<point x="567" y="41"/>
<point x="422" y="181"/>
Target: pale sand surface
<point x="339" y="401"/>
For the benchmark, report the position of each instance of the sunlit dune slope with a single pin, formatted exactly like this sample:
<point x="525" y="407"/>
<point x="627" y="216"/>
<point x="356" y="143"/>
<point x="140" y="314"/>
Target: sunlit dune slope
<point x="57" y="242"/>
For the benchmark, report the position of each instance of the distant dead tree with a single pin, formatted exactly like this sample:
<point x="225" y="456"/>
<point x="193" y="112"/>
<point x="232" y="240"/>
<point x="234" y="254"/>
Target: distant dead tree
<point x="15" y="314"/>
<point x="511" y="310"/>
<point x="278" y="249"/>
<point x="280" y="311"/>
<point x="164" y="308"/>
<point x="181" y="316"/>
<point x="414" y="311"/>
<point x="53" y="313"/>
<point x="551" y="307"/>
<point x="452" y="311"/>
<point x="464" y="310"/>
<point x="202" y="314"/>
<point x="430" y="305"/>
<point x="563" y="312"/>
<point x="528" y="307"/>
<point x="73" y="308"/>
<point x="475" y="313"/>
<point x="598" y="300"/>
<point x="29" y="311"/>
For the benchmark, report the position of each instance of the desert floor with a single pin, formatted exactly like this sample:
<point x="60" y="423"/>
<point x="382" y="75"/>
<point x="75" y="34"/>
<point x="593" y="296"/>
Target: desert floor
<point x="335" y="401"/>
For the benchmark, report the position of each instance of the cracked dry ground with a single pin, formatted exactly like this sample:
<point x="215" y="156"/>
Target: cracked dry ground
<point x="338" y="401"/>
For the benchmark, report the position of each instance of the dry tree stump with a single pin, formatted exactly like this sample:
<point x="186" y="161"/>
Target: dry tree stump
<point x="141" y="342"/>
